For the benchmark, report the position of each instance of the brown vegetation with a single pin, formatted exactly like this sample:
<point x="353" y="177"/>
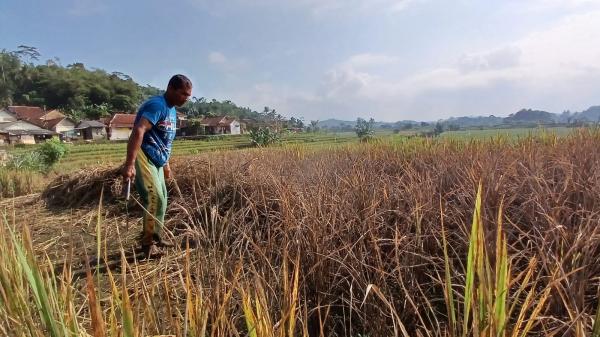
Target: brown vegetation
<point x="19" y="182"/>
<point x="360" y="226"/>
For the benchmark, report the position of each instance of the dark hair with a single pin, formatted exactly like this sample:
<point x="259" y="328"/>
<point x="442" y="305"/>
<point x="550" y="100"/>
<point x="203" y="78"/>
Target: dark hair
<point x="179" y="81"/>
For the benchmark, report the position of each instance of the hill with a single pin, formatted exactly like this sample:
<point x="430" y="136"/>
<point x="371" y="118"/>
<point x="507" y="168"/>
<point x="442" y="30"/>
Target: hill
<point x="530" y="116"/>
<point x="590" y="115"/>
<point x="82" y="92"/>
<point x="474" y="121"/>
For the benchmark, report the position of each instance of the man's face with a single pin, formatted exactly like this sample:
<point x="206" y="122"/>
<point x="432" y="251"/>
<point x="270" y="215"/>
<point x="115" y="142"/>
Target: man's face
<point x="181" y="95"/>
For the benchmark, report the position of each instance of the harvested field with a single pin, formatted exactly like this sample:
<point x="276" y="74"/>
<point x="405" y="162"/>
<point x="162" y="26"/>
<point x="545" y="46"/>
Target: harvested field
<point x="340" y="242"/>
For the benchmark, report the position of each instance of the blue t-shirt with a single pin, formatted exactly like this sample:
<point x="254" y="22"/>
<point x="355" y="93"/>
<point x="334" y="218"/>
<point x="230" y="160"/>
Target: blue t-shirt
<point x="158" y="140"/>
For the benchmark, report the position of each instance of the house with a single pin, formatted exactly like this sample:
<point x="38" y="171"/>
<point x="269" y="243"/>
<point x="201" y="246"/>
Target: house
<point x="221" y="125"/>
<point x="182" y="120"/>
<point x="91" y="130"/>
<point x="184" y="126"/>
<point x="52" y="120"/>
<point x="63" y="126"/>
<point x="23" y="132"/>
<point x="120" y="126"/>
<point x="24" y="112"/>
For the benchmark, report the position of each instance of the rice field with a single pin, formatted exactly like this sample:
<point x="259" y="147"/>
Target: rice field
<point x="508" y="133"/>
<point x="86" y="155"/>
<point x="420" y="237"/>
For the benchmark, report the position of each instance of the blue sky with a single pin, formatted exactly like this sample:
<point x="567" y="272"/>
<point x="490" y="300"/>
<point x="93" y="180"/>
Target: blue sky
<point x="387" y="59"/>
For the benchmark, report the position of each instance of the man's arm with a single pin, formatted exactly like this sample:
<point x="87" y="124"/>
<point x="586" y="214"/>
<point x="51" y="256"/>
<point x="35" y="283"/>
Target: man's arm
<point x="133" y="146"/>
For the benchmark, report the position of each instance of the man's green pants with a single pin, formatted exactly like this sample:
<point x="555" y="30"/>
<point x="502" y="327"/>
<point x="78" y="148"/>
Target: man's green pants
<point x="150" y="184"/>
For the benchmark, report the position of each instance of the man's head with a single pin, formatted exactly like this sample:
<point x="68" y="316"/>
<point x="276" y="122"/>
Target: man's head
<point x="179" y="90"/>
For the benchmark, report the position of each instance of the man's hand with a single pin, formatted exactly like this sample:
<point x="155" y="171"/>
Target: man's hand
<point x="167" y="171"/>
<point x="128" y="172"/>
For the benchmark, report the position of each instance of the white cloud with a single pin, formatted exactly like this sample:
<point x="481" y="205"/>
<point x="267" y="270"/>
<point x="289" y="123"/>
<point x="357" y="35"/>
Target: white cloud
<point x="226" y="64"/>
<point x="550" y="4"/>
<point x="556" y="68"/>
<point x="502" y="58"/>
<point x="216" y="57"/>
<point x="367" y="60"/>
<point x="320" y="7"/>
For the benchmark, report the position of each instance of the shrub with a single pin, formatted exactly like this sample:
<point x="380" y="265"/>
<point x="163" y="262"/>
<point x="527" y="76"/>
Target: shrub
<point x="263" y="137"/>
<point x="52" y="151"/>
<point x="42" y="159"/>
<point x="364" y="129"/>
<point x="31" y="161"/>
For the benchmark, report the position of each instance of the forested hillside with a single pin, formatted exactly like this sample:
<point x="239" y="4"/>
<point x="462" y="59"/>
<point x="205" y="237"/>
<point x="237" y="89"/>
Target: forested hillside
<point x="84" y="92"/>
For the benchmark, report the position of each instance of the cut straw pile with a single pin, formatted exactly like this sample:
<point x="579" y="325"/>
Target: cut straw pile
<point x="83" y="187"/>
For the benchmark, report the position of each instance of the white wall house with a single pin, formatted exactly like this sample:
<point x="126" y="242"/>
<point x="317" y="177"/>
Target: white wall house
<point x="235" y="128"/>
<point x="221" y="125"/>
<point x="120" y="126"/>
<point x="120" y="133"/>
<point x="22" y="132"/>
<point x="64" y="126"/>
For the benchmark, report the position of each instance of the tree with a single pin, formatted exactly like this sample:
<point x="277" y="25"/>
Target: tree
<point x="296" y="123"/>
<point x="452" y="127"/>
<point x="438" y="129"/>
<point x="26" y="52"/>
<point x="10" y="69"/>
<point x="314" y="126"/>
<point x="365" y="129"/>
<point x="89" y="93"/>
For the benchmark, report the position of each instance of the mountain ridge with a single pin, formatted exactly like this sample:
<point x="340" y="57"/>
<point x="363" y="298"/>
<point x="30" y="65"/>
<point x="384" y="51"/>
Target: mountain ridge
<point x="521" y="117"/>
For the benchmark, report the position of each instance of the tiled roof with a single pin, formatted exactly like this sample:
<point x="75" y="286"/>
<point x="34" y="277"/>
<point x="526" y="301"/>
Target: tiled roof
<point x="37" y="116"/>
<point x="49" y="123"/>
<point x="90" y="124"/>
<point x="26" y="112"/>
<point x="217" y="121"/>
<point x="21" y="128"/>
<point x="53" y="114"/>
<point x="121" y="120"/>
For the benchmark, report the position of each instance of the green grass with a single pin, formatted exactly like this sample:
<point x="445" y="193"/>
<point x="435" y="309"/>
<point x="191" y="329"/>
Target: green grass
<point x="85" y="155"/>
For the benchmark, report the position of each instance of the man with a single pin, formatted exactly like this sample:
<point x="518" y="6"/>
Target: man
<point x="153" y="134"/>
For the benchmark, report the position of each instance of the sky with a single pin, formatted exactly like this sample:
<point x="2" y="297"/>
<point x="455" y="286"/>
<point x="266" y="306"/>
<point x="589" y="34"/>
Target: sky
<point x="317" y="59"/>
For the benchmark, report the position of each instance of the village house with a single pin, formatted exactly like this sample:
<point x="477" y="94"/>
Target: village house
<point x="120" y="126"/>
<point x="221" y="125"/>
<point x="52" y="120"/>
<point x="91" y="130"/>
<point x="183" y="125"/>
<point x="182" y="120"/>
<point x="22" y="132"/>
